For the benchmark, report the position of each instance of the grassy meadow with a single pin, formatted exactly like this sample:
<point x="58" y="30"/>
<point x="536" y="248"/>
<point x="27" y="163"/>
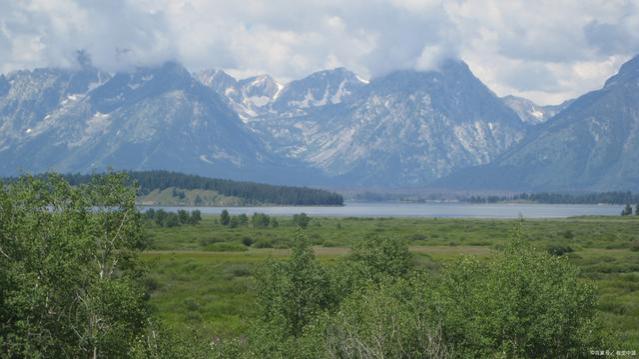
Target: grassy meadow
<point x="201" y="276"/>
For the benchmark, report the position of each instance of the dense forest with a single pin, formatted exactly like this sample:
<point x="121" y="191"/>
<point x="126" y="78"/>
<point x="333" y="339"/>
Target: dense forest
<point x="253" y="193"/>
<point x="562" y="198"/>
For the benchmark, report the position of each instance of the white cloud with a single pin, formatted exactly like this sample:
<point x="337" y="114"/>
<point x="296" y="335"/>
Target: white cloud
<point x="546" y="50"/>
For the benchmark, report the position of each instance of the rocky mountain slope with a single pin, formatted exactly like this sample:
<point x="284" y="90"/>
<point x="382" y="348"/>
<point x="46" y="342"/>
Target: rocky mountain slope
<point x="151" y="118"/>
<point x="593" y="144"/>
<point x="247" y="97"/>
<point x="531" y="113"/>
<point x="404" y="129"/>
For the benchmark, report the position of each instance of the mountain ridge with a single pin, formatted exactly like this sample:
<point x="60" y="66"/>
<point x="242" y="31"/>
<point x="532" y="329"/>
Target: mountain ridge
<point x="404" y="129"/>
<point x="593" y="144"/>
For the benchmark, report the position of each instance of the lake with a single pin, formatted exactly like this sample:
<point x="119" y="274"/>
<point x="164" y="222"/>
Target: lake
<point x="442" y="210"/>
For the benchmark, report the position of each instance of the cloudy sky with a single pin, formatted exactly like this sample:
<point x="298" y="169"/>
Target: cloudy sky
<point x="548" y="51"/>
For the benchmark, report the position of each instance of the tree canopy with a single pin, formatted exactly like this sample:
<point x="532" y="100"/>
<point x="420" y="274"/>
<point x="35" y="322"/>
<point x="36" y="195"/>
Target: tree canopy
<point x="69" y="268"/>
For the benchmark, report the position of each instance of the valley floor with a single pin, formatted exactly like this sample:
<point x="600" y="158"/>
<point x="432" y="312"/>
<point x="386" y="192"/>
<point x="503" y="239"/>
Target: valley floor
<point x="201" y="276"/>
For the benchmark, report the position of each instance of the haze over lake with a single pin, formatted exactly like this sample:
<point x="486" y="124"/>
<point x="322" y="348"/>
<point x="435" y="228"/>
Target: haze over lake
<point x="443" y="210"/>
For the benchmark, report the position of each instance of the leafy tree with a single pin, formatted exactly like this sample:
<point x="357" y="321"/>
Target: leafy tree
<point x="522" y="303"/>
<point x="234" y="222"/>
<point x="292" y="293"/>
<point x="383" y="257"/>
<point x="301" y="220"/>
<point x="242" y="219"/>
<point x="225" y="219"/>
<point x="196" y="217"/>
<point x="627" y="210"/>
<point x="260" y="220"/>
<point x="637" y="209"/>
<point x="389" y="320"/>
<point x="183" y="216"/>
<point x="559" y="250"/>
<point x="69" y="268"/>
<point x="247" y="241"/>
<point x="150" y="214"/>
<point x="160" y="217"/>
<point x="172" y="220"/>
<point x="373" y="261"/>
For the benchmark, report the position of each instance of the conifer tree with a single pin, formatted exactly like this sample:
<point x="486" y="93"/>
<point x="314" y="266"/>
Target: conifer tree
<point x="225" y="219"/>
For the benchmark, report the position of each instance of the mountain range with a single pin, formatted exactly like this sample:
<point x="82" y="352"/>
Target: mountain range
<point x="442" y="128"/>
<point x="592" y="144"/>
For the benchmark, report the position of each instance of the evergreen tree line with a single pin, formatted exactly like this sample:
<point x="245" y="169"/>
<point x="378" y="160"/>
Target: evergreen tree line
<point x="260" y="220"/>
<point x="627" y="211"/>
<point x="173" y="219"/>
<point x="250" y="191"/>
<point x="253" y="193"/>
<point x="562" y="198"/>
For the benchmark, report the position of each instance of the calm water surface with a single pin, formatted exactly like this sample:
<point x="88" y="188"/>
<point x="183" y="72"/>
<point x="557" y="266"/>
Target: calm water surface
<point x="443" y="210"/>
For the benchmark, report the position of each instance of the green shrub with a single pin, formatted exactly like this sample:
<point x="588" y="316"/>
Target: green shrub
<point x="260" y="220"/>
<point x="522" y="303"/>
<point x="386" y="321"/>
<point x="519" y="303"/>
<point x="293" y="292"/>
<point x="301" y="220"/>
<point x="191" y="305"/>
<point x="172" y="220"/>
<point x="383" y="257"/>
<point x="225" y="247"/>
<point x="418" y="237"/>
<point x="558" y="250"/>
<point x="331" y="243"/>
<point x="183" y="216"/>
<point x="263" y="243"/>
<point x="210" y="240"/>
<point x="242" y="219"/>
<point x="238" y="270"/>
<point x="247" y="241"/>
<point x="196" y="217"/>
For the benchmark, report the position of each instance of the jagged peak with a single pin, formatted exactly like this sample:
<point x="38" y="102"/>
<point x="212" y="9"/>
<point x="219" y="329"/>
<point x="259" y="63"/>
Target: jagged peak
<point x="630" y="65"/>
<point x="173" y="67"/>
<point x="212" y="77"/>
<point x="340" y="73"/>
<point x="258" y="80"/>
<point x="448" y="67"/>
<point x="629" y="69"/>
<point x="170" y="71"/>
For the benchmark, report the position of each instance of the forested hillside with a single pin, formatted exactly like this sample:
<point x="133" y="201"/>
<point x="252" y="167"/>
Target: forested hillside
<point x="250" y="193"/>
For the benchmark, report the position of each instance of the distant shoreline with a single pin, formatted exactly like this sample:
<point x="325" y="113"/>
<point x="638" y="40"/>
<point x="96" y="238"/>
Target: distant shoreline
<point x="420" y="210"/>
